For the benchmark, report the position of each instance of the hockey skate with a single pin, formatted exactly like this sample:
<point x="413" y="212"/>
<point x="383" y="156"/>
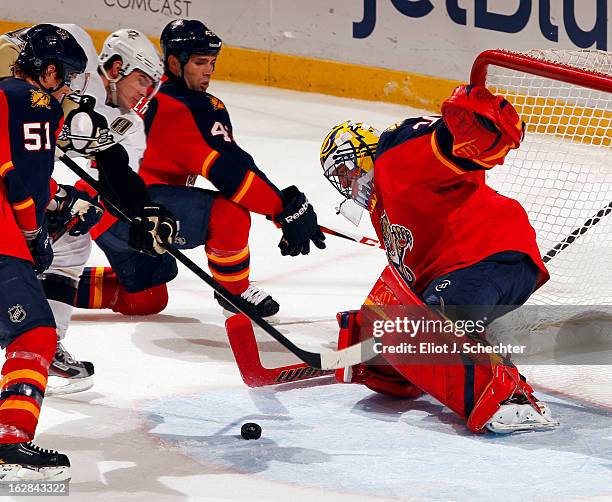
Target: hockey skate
<point x="26" y="461"/>
<point x="67" y="375"/>
<point x="518" y="414"/>
<point x="263" y="304"/>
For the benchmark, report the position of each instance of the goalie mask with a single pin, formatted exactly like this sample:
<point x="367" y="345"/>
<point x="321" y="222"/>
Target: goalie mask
<point x="347" y="158"/>
<point x="484" y="127"/>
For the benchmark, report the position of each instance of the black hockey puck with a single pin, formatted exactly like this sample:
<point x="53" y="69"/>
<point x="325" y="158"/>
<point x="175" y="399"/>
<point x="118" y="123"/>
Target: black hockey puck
<point x="250" y="430"/>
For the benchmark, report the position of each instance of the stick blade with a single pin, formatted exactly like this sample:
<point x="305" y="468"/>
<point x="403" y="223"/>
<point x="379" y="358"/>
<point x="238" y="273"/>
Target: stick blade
<point x="246" y="353"/>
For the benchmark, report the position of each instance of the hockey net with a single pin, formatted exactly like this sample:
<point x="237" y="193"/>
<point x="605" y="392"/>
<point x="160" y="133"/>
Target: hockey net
<point x="562" y="174"/>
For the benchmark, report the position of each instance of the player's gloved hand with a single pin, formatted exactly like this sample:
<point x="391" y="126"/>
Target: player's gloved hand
<point x="298" y="221"/>
<point x="73" y="211"/>
<point x="39" y="244"/>
<point x="152" y="230"/>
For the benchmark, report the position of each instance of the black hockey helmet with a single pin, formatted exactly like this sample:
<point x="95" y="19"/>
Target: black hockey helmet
<point x="184" y="37"/>
<point x="46" y="44"/>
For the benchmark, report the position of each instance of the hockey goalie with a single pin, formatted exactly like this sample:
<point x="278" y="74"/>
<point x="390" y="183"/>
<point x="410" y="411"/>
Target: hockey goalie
<point x="453" y="245"/>
<point x="458" y="252"/>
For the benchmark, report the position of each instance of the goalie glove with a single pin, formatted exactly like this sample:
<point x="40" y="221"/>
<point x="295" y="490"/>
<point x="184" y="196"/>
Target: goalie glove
<point x="298" y="221"/>
<point x="73" y="211"/>
<point x="152" y="230"/>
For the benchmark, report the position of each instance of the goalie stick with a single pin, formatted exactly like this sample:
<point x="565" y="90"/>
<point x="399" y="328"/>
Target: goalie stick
<point x="327" y="360"/>
<point x="361" y="239"/>
<point x="254" y="374"/>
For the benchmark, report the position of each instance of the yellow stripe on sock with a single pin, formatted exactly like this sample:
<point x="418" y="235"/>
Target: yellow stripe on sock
<point x="230" y="278"/>
<point x="13" y="404"/>
<point x="20" y="375"/>
<point x="226" y="259"/>
<point x="98" y="280"/>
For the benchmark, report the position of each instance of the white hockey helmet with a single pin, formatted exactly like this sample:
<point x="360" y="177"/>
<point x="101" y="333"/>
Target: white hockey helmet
<point x="137" y="52"/>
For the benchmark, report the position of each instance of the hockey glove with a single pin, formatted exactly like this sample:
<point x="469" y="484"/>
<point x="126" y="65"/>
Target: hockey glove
<point x="73" y="211"/>
<point x="39" y="244"/>
<point x="298" y="221"/>
<point x="152" y="230"/>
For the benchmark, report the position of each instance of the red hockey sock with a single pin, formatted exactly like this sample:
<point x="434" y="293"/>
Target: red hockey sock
<point x="99" y="288"/>
<point x="24" y="380"/>
<point x="227" y="245"/>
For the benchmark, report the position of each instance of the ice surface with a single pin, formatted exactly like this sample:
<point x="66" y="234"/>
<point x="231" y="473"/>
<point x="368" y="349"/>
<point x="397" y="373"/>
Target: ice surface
<point x="163" y="420"/>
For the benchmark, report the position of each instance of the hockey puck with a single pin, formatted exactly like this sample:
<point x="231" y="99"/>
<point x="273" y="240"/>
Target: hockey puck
<point x="250" y="430"/>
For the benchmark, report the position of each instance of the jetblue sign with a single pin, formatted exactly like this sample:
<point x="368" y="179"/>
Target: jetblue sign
<point x="485" y="18"/>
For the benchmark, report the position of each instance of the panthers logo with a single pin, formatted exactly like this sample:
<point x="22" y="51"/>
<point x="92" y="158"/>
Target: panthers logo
<point x="398" y="241"/>
<point x="216" y="103"/>
<point x="40" y="99"/>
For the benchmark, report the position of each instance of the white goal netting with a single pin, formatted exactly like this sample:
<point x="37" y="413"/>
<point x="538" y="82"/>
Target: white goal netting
<point x="562" y="174"/>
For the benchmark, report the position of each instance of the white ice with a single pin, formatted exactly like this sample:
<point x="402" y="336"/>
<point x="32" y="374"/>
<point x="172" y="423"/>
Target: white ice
<point x="163" y="420"/>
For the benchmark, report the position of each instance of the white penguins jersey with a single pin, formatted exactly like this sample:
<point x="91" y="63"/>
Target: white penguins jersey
<point x="91" y="125"/>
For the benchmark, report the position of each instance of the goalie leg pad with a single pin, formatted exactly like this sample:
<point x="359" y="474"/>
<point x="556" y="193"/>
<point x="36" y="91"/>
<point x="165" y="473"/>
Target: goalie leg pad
<point x="460" y="384"/>
<point x="377" y="375"/>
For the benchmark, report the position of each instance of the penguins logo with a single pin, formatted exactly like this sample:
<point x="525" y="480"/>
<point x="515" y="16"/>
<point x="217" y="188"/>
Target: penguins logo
<point x="85" y="130"/>
<point x="398" y="241"/>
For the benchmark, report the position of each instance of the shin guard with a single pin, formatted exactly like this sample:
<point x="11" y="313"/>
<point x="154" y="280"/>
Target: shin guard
<point x="464" y="383"/>
<point x="377" y="375"/>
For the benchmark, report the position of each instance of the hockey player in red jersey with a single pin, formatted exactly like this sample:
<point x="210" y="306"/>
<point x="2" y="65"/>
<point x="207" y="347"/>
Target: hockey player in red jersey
<point x="464" y="249"/>
<point x="30" y="120"/>
<point x="189" y="134"/>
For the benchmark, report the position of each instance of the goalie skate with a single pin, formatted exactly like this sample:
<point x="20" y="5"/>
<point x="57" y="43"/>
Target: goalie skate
<point x="26" y="461"/>
<point x="68" y="375"/>
<point x="517" y="414"/>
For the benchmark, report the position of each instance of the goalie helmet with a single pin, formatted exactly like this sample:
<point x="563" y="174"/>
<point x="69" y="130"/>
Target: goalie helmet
<point x="184" y="37"/>
<point x="347" y="158"/>
<point x="46" y="44"/>
<point x="484" y="127"/>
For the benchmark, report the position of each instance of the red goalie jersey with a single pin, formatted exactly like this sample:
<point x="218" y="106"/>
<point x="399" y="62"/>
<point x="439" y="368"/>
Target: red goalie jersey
<point x="437" y="213"/>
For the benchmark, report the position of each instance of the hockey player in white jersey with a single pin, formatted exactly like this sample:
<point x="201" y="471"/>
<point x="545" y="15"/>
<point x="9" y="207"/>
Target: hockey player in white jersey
<point x="102" y="124"/>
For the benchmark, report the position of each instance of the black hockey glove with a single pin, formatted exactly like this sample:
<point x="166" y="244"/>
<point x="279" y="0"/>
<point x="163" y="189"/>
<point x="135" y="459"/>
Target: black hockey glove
<point x="152" y="230"/>
<point x="72" y="211"/>
<point x="39" y="244"/>
<point x="298" y="221"/>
